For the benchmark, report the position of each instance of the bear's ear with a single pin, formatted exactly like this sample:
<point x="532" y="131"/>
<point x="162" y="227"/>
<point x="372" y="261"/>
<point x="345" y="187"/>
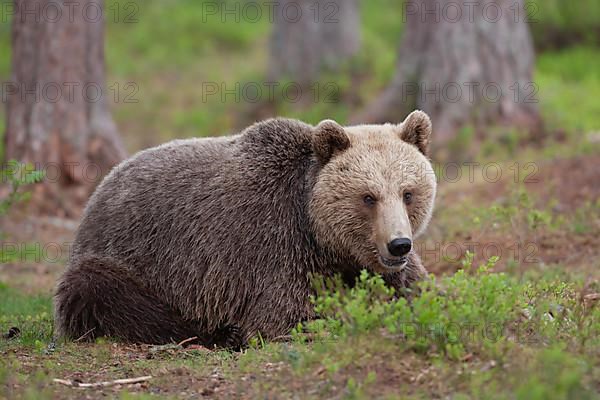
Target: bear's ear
<point x="329" y="138"/>
<point x="416" y="130"/>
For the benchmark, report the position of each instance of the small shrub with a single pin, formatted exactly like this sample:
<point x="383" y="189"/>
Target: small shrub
<point x="473" y="311"/>
<point x="17" y="175"/>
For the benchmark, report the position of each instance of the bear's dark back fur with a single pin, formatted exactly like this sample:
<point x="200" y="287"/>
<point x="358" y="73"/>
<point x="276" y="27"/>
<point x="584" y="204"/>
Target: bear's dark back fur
<point x="216" y="228"/>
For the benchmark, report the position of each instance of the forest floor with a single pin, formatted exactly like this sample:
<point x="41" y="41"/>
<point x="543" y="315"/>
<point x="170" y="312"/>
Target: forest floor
<point x="541" y="218"/>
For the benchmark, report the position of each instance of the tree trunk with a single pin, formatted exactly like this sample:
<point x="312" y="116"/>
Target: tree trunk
<point x="57" y="118"/>
<point x="309" y="36"/>
<point x="462" y="64"/>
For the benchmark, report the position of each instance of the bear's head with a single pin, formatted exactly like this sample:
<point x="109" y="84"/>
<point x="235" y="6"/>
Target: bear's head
<point x="374" y="190"/>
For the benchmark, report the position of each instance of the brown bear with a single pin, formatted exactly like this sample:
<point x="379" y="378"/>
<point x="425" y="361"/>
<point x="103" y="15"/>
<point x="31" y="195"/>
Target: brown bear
<point x="217" y="238"/>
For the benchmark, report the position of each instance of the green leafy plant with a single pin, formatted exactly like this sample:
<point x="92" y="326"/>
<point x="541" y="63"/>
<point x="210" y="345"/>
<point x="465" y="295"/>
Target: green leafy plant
<point x="472" y="311"/>
<point x="17" y="175"/>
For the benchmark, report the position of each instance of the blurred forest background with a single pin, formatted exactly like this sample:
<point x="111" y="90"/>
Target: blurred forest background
<point x="190" y="68"/>
<point x="164" y="58"/>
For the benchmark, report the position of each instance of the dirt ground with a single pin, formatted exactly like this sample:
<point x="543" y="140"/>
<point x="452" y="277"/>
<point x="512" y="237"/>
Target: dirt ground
<point x="564" y="187"/>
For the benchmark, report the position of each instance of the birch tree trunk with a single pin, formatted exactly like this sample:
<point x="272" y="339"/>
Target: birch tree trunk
<point x="462" y="63"/>
<point x="311" y="36"/>
<point x="57" y="110"/>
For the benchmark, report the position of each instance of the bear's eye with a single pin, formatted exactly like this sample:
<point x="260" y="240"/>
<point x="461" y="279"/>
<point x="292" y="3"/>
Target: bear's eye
<point x="408" y="197"/>
<point x="369" y="200"/>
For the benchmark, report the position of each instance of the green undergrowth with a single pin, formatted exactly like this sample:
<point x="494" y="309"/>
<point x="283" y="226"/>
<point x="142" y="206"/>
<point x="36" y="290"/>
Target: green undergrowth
<point x="448" y="312"/>
<point x="475" y="334"/>
<point x="517" y="326"/>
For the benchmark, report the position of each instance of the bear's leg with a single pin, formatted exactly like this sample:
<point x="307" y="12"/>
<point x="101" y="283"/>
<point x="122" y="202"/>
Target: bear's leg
<point x="229" y="337"/>
<point x="97" y="297"/>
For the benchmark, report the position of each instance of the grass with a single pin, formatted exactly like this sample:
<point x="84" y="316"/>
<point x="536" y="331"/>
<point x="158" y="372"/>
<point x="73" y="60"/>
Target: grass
<point x="29" y="313"/>
<point x="13" y="303"/>
<point x="5" y="33"/>
<point x="193" y="34"/>
<point x="554" y="21"/>
<point x="565" y="79"/>
<point x="476" y="334"/>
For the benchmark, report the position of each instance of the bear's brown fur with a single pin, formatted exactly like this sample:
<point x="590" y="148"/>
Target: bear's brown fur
<point x="217" y="238"/>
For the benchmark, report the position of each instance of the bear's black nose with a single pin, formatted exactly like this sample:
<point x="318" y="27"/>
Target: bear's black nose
<point x="399" y="247"/>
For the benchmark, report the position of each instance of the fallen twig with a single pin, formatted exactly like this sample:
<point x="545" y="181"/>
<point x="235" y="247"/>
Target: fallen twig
<point x="84" y="335"/>
<point x="171" y="346"/>
<point x="129" y="381"/>
<point x="283" y="338"/>
<point x="187" y="341"/>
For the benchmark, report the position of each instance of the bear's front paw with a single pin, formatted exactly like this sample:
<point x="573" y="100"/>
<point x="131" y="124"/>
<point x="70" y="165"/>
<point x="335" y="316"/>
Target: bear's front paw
<point x="229" y="337"/>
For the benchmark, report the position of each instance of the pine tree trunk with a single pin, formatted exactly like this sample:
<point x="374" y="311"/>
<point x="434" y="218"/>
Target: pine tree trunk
<point x="470" y="68"/>
<point x="56" y="117"/>
<point x="311" y="36"/>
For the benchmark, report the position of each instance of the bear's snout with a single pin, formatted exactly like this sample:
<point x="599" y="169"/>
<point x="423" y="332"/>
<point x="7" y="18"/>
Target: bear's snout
<point x="399" y="247"/>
